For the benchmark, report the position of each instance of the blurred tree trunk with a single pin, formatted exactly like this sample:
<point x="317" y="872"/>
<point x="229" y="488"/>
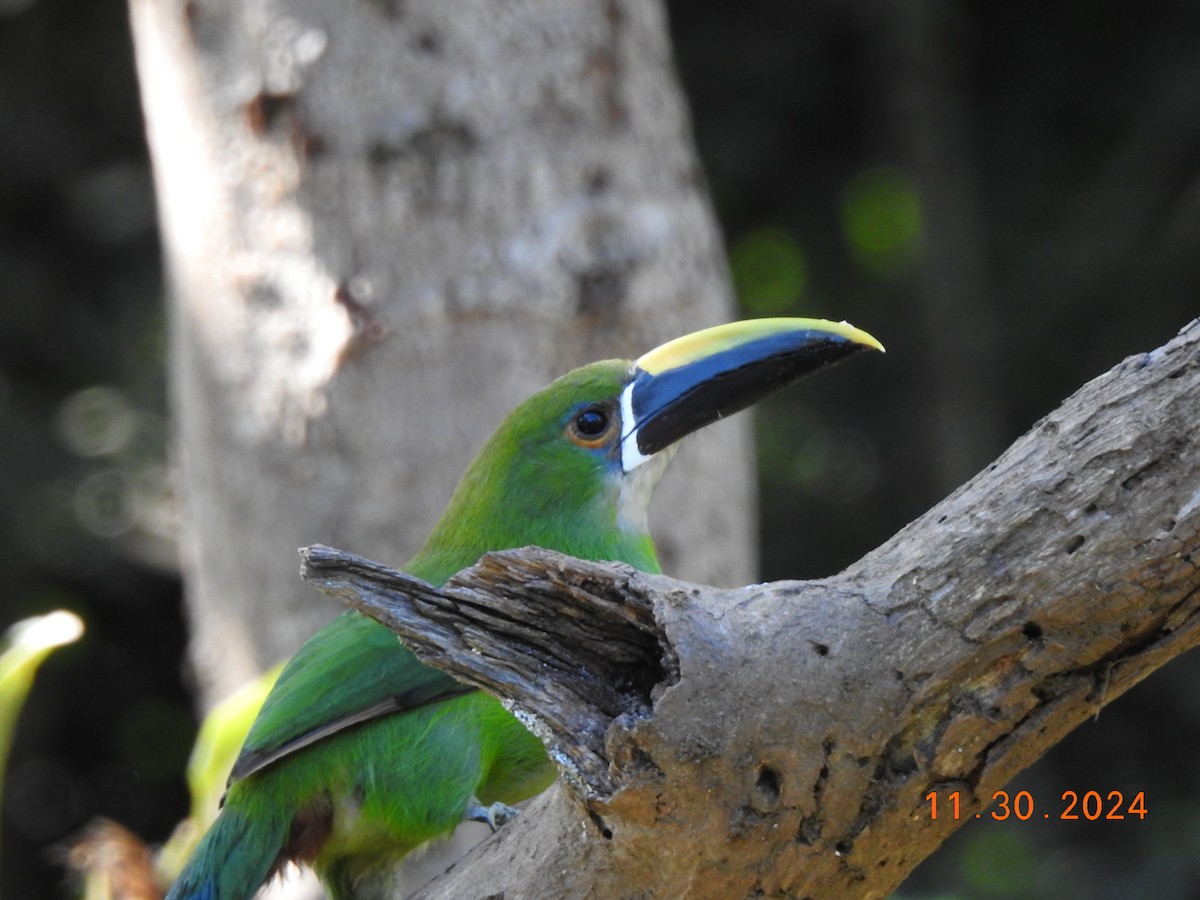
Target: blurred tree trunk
<point x="386" y="223"/>
<point x="923" y="56"/>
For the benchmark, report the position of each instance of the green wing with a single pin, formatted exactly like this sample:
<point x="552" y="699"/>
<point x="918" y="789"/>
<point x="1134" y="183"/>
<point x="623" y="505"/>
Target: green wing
<point x="351" y="671"/>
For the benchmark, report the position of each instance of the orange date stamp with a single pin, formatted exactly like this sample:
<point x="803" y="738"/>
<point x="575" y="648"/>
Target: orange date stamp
<point x="1090" y="806"/>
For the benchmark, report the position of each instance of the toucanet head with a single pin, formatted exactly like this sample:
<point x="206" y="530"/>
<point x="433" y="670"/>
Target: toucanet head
<point x="572" y="467"/>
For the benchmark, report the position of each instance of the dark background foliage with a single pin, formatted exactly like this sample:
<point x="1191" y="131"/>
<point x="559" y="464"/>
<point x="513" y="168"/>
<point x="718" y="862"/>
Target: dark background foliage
<point x="1008" y="195"/>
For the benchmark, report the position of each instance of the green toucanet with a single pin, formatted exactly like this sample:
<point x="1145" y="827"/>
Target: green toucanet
<point x="361" y="753"/>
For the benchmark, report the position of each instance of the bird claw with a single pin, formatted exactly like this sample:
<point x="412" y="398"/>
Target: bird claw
<point x="493" y="816"/>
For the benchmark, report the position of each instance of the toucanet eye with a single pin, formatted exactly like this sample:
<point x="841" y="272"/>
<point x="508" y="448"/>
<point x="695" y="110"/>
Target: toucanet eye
<point x="591" y="422"/>
<point x="592" y="426"/>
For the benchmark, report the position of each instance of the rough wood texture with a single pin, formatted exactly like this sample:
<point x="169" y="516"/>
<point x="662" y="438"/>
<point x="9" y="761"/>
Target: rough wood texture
<point x="795" y="728"/>
<point x="581" y="642"/>
<point x="386" y="224"/>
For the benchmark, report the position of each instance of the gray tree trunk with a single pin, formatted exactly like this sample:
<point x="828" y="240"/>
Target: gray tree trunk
<point x="385" y="224"/>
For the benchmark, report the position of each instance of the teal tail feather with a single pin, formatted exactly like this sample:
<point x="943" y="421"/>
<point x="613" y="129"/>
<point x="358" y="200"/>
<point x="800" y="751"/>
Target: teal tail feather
<point x="237" y="854"/>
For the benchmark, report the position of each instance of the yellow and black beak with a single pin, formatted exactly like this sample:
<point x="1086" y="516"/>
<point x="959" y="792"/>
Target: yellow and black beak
<point x="694" y="380"/>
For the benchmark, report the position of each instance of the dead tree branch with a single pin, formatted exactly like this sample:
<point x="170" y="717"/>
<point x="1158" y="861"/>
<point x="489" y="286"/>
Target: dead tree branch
<point x="781" y="739"/>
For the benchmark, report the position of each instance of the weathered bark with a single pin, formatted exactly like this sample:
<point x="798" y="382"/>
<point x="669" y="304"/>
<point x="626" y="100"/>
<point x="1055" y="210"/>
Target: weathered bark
<point x="781" y="739"/>
<point x="386" y="224"/>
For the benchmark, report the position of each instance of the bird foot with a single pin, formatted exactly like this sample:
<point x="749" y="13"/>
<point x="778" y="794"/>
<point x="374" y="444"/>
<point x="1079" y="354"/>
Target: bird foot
<point x="494" y="816"/>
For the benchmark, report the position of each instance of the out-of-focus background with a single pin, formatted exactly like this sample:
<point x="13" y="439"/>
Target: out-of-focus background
<point x="1008" y="195"/>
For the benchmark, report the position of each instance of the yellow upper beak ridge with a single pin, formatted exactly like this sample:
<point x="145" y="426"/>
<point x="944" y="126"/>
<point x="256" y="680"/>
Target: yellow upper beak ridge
<point x="709" y="341"/>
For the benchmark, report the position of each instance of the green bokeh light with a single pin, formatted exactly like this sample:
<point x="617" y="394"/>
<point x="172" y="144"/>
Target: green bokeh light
<point x="999" y="863"/>
<point x="882" y="221"/>
<point x="769" y="271"/>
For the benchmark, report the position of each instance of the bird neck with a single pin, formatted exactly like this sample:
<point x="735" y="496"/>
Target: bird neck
<point x="488" y="515"/>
